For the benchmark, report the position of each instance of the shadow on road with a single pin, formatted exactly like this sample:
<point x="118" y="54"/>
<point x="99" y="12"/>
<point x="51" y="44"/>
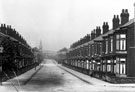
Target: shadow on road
<point x="24" y="83"/>
<point x="51" y="80"/>
<point x="48" y="76"/>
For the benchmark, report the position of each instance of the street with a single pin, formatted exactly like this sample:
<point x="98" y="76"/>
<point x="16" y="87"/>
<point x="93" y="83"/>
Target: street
<point x="51" y="78"/>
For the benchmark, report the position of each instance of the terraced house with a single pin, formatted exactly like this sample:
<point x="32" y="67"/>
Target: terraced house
<point x="109" y="55"/>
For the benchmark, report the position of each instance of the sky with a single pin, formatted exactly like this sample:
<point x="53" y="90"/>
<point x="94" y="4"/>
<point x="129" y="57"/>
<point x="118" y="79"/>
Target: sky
<point x="59" y="23"/>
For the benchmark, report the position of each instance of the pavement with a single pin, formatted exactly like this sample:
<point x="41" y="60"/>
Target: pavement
<point x="14" y="84"/>
<point x="93" y="80"/>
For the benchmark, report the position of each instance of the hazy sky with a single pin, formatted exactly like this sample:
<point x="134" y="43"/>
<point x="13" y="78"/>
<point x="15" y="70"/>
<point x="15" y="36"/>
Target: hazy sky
<point x="59" y="23"/>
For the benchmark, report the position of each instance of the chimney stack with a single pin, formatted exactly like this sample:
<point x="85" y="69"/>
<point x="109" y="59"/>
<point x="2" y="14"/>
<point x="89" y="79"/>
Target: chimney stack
<point x="3" y="28"/>
<point x="105" y="27"/>
<point x="93" y="34"/>
<point x="116" y="21"/>
<point x="124" y="16"/>
<point x="88" y="37"/>
<point x="98" y="31"/>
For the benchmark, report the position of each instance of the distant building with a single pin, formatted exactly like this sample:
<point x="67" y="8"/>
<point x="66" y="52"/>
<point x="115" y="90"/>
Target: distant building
<point x="61" y="55"/>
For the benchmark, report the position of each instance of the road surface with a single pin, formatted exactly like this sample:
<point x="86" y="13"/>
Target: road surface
<point x="51" y="78"/>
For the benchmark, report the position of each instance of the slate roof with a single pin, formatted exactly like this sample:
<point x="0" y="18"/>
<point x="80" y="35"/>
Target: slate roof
<point x="128" y="23"/>
<point x="3" y="35"/>
<point x="99" y="38"/>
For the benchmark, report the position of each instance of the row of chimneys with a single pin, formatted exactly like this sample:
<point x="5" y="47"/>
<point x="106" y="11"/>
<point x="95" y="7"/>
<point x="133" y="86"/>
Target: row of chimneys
<point x="11" y="32"/>
<point x="97" y="32"/>
<point x="81" y="41"/>
<point x="116" y="23"/>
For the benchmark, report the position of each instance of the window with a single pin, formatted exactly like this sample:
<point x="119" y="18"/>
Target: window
<point x="104" y="65"/>
<point x="95" y="48"/>
<point x="92" y="49"/>
<point x="100" y="48"/>
<point x="121" y="42"/>
<point x="115" y="66"/>
<point x="104" y="68"/>
<point x="117" y="42"/>
<point x="122" y="36"/>
<point x="87" y="64"/>
<point x="106" y="46"/>
<point x="121" y="65"/>
<point x="89" y="50"/>
<point x="90" y="65"/>
<point x="93" y="67"/>
<point x="111" y="40"/>
<point x="108" y="65"/>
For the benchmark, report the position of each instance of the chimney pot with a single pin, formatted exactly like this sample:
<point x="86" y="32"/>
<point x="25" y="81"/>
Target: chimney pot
<point x="114" y="16"/>
<point x="123" y="10"/>
<point x="117" y="16"/>
<point x="1" y="25"/>
<point x="126" y="11"/>
<point x="5" y="25"/>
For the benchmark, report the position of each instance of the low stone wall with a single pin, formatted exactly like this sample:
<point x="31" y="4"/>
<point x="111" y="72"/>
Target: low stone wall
<point x="120" y="79"/>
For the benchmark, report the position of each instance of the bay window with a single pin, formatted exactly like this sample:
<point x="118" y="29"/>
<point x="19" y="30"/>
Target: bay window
<point x="121" y="65"/>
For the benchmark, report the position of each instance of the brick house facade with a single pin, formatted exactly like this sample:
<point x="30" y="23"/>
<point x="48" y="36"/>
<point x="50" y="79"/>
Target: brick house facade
<point x="111" y="53"/>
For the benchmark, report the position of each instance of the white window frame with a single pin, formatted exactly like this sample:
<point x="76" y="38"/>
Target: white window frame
<point x="121" y="42"/>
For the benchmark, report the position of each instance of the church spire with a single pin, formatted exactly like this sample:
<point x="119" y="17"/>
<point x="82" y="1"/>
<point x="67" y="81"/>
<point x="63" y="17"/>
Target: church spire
<point x="40" y="46"/>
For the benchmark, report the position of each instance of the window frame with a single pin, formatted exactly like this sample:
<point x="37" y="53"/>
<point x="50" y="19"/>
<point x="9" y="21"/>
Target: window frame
<point x="121" y="42"/>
